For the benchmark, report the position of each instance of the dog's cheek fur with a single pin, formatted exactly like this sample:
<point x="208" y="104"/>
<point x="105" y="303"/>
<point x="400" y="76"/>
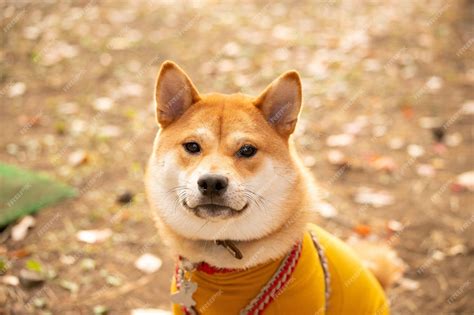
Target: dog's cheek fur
<point x="163" y="176"/>
<point x="268" y="208"/>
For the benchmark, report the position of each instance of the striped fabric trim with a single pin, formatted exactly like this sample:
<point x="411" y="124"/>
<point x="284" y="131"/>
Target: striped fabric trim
<point x="278" y="281"/>
<point x="325" y="266"/>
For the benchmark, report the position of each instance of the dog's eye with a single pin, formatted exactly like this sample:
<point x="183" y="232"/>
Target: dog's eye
<point x="247" y="151"/>
<point x="192" y="147"/>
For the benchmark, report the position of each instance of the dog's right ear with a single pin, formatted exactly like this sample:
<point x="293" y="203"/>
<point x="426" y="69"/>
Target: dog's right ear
<point x="174" y="93"/>
<point x="281" y="101"/>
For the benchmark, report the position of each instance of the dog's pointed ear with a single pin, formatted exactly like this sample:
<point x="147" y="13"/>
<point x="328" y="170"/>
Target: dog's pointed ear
<point x="281" y="102"/>
<point x="174" y="93"/>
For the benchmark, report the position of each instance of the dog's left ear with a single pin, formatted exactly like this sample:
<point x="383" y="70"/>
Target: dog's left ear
<point x="174" y="93"/>
<point x="281" y="102"/>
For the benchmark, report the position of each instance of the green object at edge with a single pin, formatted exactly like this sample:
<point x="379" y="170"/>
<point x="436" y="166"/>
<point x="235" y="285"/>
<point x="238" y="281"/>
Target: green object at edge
<point x="24" y="192"/>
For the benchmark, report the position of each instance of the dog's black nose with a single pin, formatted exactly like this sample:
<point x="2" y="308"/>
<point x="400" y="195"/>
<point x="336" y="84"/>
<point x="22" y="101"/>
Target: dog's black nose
<point x="212" y="184"/>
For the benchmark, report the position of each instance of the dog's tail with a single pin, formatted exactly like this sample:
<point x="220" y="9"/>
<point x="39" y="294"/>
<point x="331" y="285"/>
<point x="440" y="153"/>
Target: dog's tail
<point x="380" y="259"/>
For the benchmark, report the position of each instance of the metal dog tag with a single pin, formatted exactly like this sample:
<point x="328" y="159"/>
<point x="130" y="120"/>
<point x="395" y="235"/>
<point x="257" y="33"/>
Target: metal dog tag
<point x="184" y="296"/>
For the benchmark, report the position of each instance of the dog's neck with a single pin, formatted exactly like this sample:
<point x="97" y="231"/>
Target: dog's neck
<point x="254" y="252"/>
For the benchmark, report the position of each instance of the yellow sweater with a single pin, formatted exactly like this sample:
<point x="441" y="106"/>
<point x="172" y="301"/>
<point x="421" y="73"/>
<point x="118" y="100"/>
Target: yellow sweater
<point x="354" y="290"/>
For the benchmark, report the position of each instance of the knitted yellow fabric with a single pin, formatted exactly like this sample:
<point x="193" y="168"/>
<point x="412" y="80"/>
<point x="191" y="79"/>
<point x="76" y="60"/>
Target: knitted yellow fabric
<point x="354" y="290"/>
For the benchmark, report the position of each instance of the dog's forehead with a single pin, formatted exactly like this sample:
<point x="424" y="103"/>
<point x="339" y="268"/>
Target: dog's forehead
<point x="229" y="116"/>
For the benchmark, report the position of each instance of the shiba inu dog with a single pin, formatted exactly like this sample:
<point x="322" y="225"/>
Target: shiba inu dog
<point x="233" y="201"/>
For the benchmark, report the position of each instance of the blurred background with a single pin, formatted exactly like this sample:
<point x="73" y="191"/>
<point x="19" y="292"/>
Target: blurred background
<point x="387" y="130"/>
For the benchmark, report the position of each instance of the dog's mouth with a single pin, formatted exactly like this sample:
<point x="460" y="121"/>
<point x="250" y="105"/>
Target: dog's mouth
<point x="211" y="210"/>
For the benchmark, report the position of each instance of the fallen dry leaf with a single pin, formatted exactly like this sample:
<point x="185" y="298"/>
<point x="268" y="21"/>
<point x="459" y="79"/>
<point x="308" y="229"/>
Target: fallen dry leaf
<point x="336" y="157"/>
<point x="415" y="150"/>
<point x="148" y="263"/>
<point x="93" y="236"/>
<point x="78" y="157"/>
<point x="409" y="284"/>
<point x="340" y="140"/>
<point x="454" y="139"/>
<point x="326" y="210"/>
<point x="10" y="280"/>
<point x="103" y="104"/>
<point x="468" y="107"/>
<point x="20" y="230"/>
<point x="384" y="163"/>
<point x="374" y="198"/>
<point x="425" y="170"/>
<point x="362" y="230"/>
<point x="17" y="89"/>
<point x="394" y="226"/>
<point x="466" y="180"/>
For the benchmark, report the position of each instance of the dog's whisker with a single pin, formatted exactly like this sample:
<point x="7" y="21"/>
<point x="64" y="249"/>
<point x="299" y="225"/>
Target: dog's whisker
<point x="202" y="226"/>
<point x="255" y="198"/>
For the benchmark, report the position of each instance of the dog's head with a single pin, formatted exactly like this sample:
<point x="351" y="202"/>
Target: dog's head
<point x="222" y="167"/>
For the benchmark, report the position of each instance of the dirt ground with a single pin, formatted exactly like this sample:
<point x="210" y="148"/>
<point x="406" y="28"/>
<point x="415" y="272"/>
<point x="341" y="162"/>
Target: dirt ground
<point x="394" y="79"/>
